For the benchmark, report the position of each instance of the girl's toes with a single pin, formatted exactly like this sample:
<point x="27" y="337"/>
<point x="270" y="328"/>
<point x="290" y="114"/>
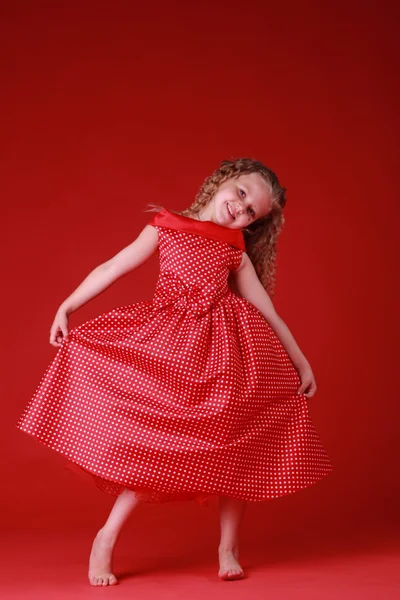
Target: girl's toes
<point x="233" y="574"/>
<point x="239" y="574"/>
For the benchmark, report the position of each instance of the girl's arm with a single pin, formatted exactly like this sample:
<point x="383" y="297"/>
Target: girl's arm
<point x="248" y="285"/>
<point x="129" y="258"/>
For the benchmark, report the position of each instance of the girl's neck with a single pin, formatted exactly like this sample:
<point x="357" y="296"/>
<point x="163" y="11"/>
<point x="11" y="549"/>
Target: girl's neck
<point x="206" y="214"/>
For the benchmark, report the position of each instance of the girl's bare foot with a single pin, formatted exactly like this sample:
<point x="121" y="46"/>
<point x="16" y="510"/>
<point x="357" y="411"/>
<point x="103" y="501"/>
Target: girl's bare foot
<point x="100" y="562"/>
<point x="229" y="568"/>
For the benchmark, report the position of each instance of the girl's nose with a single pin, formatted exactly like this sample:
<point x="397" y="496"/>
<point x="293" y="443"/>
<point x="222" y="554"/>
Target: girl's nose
<point x="239" y="209"/>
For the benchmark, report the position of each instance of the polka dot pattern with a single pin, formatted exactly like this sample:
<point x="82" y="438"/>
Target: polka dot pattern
<point x="185" y="396"/>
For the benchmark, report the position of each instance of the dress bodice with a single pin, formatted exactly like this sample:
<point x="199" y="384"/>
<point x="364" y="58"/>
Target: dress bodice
<point x="196" y="258"/>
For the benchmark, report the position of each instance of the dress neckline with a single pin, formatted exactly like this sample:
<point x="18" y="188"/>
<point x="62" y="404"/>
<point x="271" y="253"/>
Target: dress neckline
<point x="168" y="218"/>
<point x="212" y="223"/>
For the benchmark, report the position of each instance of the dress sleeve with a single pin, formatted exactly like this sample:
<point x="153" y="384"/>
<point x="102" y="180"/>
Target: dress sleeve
<point x="155" y="219"/>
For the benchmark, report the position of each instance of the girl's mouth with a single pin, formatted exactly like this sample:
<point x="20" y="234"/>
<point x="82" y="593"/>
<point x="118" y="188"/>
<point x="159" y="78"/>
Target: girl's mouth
<point x="232" y="216"/>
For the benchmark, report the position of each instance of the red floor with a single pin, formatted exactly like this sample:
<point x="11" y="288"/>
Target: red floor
<point x="53" y="565"/>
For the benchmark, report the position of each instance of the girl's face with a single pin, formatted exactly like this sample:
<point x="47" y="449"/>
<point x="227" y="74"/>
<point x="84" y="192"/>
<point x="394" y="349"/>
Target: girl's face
<point x="239" y="202"/>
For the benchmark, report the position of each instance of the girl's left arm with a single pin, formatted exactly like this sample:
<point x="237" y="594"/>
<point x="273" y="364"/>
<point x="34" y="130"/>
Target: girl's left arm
<point x="248" y="285"/>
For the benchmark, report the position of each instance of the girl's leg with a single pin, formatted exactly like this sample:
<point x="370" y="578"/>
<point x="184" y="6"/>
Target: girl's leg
<point x="100" y="562"/>
<point x="231" y="516"/>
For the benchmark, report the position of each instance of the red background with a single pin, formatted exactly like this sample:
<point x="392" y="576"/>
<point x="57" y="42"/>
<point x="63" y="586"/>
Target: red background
<point x="108" y="106"/>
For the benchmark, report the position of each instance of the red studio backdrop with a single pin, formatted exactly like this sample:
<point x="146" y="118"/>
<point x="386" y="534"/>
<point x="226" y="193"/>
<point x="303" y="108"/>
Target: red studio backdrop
<point x="107" y="106"/>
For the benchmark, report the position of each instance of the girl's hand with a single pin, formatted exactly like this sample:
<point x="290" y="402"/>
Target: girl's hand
<point x="59" y="328"/>
<point x="308" y="386"/>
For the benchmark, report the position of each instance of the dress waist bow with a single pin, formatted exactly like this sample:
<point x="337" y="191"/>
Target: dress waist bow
<point x="171" y="290"/>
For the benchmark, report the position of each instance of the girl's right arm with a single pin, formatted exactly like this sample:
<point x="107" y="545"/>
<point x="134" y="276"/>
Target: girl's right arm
<point x="128" y="259"/>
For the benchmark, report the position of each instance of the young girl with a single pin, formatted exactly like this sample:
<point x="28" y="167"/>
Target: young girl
<point x="199" y="392"/>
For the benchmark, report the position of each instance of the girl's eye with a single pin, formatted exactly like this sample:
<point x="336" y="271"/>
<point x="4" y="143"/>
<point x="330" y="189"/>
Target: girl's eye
<point x="251" y="210"/>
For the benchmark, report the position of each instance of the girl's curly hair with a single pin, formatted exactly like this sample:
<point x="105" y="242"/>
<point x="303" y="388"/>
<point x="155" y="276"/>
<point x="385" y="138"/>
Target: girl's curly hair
<point x="260" y="236"/>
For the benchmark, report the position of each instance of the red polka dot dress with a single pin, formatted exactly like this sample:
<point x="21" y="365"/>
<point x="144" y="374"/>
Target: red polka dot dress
<point x="185" y="396"/>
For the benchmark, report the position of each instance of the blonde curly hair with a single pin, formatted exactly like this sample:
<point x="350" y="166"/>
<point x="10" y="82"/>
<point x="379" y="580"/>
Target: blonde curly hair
<point x="261" y="236"/>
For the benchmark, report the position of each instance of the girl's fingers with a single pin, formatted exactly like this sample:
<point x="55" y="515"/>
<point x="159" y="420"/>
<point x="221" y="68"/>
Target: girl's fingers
<point x="313" y="389"/>
<point x="58" y="334"/>
<point x="304" y="387"/>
